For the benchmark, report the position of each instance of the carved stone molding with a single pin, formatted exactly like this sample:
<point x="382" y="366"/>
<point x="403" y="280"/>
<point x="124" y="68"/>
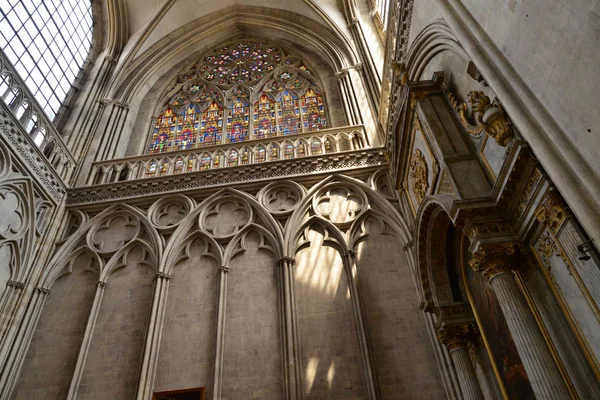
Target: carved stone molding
<point x="551" y="211"/>
<point x="494" y="259"/>
<point x="455" y="336"/>
<point x="354" y="161"/>
<point x="419" y="176"/>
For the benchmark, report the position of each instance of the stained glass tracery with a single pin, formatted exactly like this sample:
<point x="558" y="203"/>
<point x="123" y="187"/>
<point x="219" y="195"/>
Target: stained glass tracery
<point x="288" y="113"/>
<point x="247" y="90"/>
<point x="164" y="130"/>
<point x="212" y="125"/>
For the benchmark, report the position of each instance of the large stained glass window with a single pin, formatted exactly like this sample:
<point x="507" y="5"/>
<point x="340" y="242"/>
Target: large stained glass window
<point x="238" y="120"/>
<point x="212" y="124"/>
<point x="264" y="117"/>
<point x="164" y="129"/>
<point x="313" y="111"/>
<point x="246" y="90"/>
<point x="187" y="129"/>
<point x="288" y="113"/>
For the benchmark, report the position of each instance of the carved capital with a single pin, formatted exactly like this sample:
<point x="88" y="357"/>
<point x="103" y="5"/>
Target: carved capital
<point x="102" y="284"/>
<point x="551" y="211"/>
<point x="223" y="270"/>
<point x="15" y="284"/>
<point x="493" y="259"/>
<point x="454" y="336"/>
<point x="42" y="290"/>
<point x="162" y="275"/>
<point x="287" y="261"/>
<point x="419" y="175"/>
<point x="350" y="253"/>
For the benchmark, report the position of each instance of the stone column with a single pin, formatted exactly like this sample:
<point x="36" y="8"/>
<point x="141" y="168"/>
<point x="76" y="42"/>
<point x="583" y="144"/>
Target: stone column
<point x="456" y="339"/>
<point x="220" y="336"/>
<point x="496" y="263"/>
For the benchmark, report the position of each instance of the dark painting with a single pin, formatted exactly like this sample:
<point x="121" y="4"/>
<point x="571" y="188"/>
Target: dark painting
<point x="499" y="338"/>
<point x="185" y="394"/>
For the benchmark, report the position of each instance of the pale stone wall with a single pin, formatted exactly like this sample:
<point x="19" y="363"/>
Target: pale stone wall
<point x="52" y="355"/>
<point x="113" y="362"/>
<point x="186" y="349"/>
<point x="395" y="324"/>
<point x="253" y="367"/>
<point x="331" y="360"/>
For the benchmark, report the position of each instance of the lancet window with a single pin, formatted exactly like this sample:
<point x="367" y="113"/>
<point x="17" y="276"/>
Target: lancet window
<point x="245" y="91"/>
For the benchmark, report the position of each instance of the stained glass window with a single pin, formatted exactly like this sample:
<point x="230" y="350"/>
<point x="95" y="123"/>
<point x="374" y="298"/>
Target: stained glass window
<point x="151" y="169"/>
<point x="164" y="167"/>
<point x="212" y="124"/>
<point x="329" y="145"/>
<point x="205" y="162"/>
<point x="288" y="113"/>
<point x="274" y="151"/>
<point x="219" y="160"/>
<point x="260" y="154"/>
<point x="315" y="146"/>
<point x="313" y="111"/>
<point x="164" y="130"/>
<point x="187" y="129"/>
<point x="238" y="120"/>
<point x="301" y="149"/>
<point x="264" y="117"/>
<point x="179" y="164"/>
<point x="245" y="158"/>
<point x="233" y="158"/>
<point x="288" y="150"/>
<point x="190" y="163"/>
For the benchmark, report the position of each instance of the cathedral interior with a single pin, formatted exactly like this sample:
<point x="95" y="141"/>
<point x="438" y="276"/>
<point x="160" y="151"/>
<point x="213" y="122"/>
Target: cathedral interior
<point x="299" y="199"/>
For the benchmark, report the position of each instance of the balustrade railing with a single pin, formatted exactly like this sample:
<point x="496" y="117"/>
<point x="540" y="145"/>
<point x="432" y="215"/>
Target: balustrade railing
<point x="323" y="142"/>
<point x="34" y="121"/>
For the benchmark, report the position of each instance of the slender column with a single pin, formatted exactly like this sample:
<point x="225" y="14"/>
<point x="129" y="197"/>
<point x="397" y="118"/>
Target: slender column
<point x="456" y="338"/>
<point x="87" y="340"/>
<point x="496" y="262"/>
<point x="292" y="370"/>
<point x="9" y="303"/>
<point x="483" y="377"/>
<point x="152" y="346"/>
<point x="220" y="335"/>
<point x="360" y="325"/>
<point x="16" y="356"/>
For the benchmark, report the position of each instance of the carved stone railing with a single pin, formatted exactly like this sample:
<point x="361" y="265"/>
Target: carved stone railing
<point x="259" y="151"/>
<point x="37" y="127"/>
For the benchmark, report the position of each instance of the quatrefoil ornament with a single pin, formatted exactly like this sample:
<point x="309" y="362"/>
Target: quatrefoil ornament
<point x="339" y="204"/>
<point x="227" y="217"/>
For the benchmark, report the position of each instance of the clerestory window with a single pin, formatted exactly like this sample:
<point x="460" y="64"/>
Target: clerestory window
<point x="244" y="91"/>
<point x="47" y="42"/>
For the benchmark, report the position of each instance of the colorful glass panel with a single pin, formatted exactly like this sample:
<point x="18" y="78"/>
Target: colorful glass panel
<point x="238" y="121"/>
<point x="264" y="117"/>
<point x="288" y="150"/>
<point x="329" y="145"/>
<point x="233" y="158"/>
<point x="190" y="163"/>
<point x="179" y="164"/>
<point x="261" y="154"/>
<point x="313" y="111"/>
<point x="245" y="158"/>
<point x="187" y="129"/>
<point x="315" y="146"/>
<point x="164" y="167"/>
<point x="212" y="125"/>
<point x="205" y="162"/>
<point x="164" y="130"/>
<point x="274" y="152"/>
<point x="301" y="150"/>
<point x="219" y="159"/>
<point x="288" y="113"/>
<point x="151" y="169"/>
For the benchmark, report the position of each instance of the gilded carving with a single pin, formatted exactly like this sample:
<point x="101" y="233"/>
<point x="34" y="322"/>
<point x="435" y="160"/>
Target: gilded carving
<point x="454" y="336"/>
<point x="419" y="175"/>
<point x="551" y="212"/>
<point x="489" y="117"/>
<point x="493" y="260"/>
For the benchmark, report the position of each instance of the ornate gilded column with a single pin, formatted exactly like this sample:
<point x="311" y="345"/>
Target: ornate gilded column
<point x="456" y="339"/>
<point x="496" y="262"/>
